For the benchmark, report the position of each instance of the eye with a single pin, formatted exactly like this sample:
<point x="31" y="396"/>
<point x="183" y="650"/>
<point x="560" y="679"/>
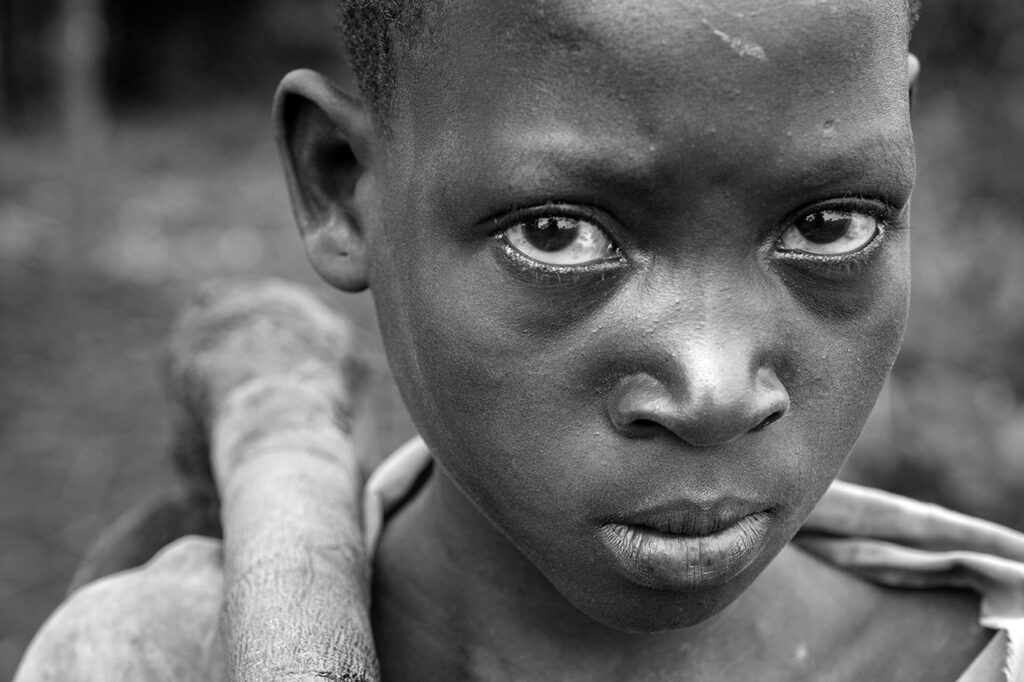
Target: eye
<point x="830" y="233"/>
<point x="560" y="241"/>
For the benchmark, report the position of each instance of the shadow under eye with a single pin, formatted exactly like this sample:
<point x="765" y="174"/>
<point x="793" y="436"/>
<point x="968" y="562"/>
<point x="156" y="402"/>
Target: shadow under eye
<point x="531" y="271"/>
<point x="828" y="276"/>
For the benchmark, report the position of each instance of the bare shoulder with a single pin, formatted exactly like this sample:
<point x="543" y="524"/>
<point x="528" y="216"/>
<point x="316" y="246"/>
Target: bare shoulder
<point x="156" y="622"/>
<point x="925" y="634"/>
<point x="896" y="634"/>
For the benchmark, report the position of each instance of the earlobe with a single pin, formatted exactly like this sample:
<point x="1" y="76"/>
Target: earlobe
<point x="325" y="139"/>
<point x="913" y="73"/>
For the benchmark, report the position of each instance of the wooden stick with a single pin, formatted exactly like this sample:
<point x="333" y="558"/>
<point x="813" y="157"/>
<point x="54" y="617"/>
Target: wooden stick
<point x="271" y="375"/>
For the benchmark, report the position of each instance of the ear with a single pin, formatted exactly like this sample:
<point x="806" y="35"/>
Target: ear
<point x="913" y="73"/>
<point x="325" y="138"/>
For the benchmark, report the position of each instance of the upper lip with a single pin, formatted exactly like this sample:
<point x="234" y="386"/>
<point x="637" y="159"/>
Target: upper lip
<point x="688" y="517"/>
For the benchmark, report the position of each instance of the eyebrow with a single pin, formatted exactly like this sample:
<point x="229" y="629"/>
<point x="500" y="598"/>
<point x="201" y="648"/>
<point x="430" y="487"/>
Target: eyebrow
<point x="879" y="156"/>
<point x="565" y="165"/>
<point x="568" y="157"/>
<point x="885" y="157"/>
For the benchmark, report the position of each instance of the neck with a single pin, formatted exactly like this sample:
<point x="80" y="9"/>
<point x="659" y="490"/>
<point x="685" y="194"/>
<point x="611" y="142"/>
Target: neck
<point x="451" y="590"/>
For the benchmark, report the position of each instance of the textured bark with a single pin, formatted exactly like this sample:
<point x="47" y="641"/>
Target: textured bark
<point x="267" y="376"/>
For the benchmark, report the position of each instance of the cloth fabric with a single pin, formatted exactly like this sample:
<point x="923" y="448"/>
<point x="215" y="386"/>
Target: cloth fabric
<point x="903" y="543"/>
<point x="161" y="621"/>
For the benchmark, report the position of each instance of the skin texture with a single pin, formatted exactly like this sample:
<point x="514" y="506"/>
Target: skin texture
<point x="700" y="364"/>
<point x="556" y="406"/>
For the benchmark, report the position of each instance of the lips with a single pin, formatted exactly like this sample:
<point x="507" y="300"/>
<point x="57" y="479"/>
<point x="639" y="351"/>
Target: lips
<point x="687" y="546"/>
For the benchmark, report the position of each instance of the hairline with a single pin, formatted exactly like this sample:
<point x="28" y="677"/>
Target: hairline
<point x="379" y="34"/>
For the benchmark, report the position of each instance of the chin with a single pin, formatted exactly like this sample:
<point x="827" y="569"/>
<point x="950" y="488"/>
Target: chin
<point x="654" y="611"/>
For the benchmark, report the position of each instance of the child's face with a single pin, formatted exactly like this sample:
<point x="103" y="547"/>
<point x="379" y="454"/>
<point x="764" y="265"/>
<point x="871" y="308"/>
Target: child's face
<point x="644" y="265"/>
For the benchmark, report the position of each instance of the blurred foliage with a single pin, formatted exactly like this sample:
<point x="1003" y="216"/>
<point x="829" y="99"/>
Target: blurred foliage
<point x="163" y="53"/>
<point x="176" y="52"/>
<point x="974" y="59"/>
<point x="966" y="39"/>
<point x="950" y="426"/>
<point x="188" y="188"/>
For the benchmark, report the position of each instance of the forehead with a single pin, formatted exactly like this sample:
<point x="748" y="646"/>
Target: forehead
<point x="656" y="80"/>
<point x="648" y="38"/>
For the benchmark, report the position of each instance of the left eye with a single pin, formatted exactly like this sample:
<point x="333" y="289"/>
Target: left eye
<point x="560" y="240"/>
<point x="830" y="233"/>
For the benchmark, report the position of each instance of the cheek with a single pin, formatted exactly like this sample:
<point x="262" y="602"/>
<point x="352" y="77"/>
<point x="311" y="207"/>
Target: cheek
<point x="506" y="413"/>
<point x="492" y="402"/>
<point x="461" y="359"/>
<point x="841" y="357"/>
<point x="464" y="370"/>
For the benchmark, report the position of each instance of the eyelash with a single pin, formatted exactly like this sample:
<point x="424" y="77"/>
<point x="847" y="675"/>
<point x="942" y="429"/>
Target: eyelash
<point x="890" y="219"/>
<point x="556" y="275"/>
<point x="840" y="264"/>
<point x="545" y="273"/>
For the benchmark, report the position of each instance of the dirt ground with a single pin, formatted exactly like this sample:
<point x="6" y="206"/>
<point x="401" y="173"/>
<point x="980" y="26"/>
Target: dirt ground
<point x="191" y="196"/>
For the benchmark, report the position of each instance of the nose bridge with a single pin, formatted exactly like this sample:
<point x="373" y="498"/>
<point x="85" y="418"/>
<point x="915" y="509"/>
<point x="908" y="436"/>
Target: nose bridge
<point x="707" y="374"/>
<point x="711" y="369"/>
<point x="714" y="337"/>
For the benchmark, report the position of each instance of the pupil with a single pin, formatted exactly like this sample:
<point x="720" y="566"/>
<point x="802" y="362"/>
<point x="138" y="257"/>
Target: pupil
<point x="824" y="227"/>
<point x="548" y="234"/>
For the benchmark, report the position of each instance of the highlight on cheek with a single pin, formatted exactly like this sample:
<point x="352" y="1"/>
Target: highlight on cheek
<point x="560" y="241"/>
<point x="831" y="233"/>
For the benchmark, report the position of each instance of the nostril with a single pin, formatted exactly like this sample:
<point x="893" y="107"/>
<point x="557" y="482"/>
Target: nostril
<point x="705" y="413"/>
<point x="641" y="428"/>
<point x="770" y="419"/>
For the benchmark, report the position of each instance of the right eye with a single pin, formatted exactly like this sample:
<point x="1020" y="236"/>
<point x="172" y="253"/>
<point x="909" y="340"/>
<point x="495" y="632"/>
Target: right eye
<point x="560" y="241"/>
<point x="831" y="233"/>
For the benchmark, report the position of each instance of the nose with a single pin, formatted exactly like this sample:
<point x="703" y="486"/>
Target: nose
<point x="707" y="394"/>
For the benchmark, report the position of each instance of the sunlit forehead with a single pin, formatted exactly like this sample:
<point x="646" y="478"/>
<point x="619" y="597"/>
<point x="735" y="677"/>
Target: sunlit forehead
<point x="687" y="60"/>
<point x="689" y="35"/>
<point x="663" y="102"/>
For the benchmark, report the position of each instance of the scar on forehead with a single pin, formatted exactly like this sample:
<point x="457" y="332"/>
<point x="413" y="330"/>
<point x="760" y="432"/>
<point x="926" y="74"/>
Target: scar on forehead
<point x="744" y="48"/>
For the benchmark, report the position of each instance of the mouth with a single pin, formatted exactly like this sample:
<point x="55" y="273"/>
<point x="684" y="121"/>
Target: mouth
<point x="687" y="547"/>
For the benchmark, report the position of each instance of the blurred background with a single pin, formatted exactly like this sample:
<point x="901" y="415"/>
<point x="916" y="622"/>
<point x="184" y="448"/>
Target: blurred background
<point x="136" y="159"/>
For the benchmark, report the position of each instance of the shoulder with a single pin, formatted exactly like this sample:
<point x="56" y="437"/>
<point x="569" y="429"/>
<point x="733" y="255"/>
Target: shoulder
<point x="866" y="630"/>
<point x="944" y="582"/>
<point x="933" y="633"/>
<point x="156" y="622"/>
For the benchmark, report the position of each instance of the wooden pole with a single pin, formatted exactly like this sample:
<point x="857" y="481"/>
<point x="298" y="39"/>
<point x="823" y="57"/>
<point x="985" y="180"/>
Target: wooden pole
<point x="272" y="379"/>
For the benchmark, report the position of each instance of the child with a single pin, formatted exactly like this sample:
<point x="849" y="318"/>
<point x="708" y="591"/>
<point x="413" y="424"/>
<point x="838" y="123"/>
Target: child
<point x="641" y="269"/>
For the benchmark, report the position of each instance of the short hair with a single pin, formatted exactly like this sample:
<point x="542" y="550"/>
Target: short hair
<point x="377" y="30"/>
<point x="374" y="31"/>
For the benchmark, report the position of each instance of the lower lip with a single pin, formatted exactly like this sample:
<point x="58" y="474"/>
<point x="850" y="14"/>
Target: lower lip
<point x="672" y="561"/>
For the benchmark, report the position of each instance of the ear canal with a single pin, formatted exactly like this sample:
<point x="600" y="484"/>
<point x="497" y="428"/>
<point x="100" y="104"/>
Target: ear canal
<point x="325" y="166"/>
<point x="319" y="131"/>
